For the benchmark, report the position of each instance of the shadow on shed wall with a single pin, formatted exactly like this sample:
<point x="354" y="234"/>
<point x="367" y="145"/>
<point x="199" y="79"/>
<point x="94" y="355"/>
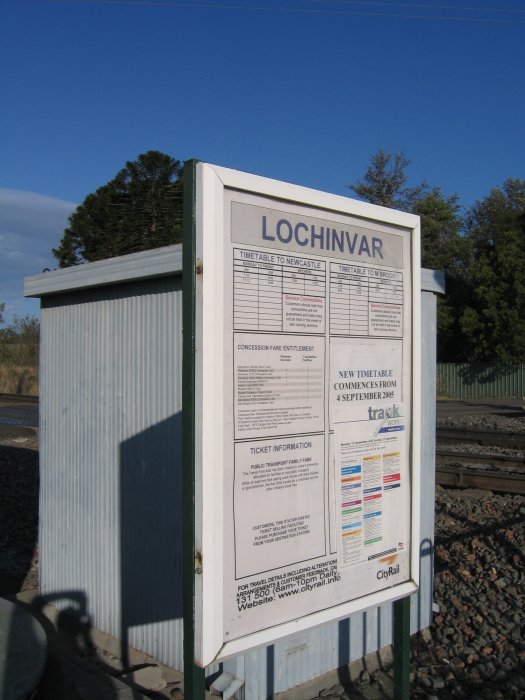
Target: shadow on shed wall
<point x="151" y="528"/>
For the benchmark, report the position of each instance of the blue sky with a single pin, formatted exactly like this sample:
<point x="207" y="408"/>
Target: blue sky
<point x="302" y="91"/>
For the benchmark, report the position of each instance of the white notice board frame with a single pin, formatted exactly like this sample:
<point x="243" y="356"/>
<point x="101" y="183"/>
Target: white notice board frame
<point x="213" y="188"/>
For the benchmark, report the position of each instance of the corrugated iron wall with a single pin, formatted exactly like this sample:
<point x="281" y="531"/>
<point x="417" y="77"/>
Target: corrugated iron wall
<point x="481" y="380"/>
<point x="110" y="533"/>
<point x="111" y="484"/>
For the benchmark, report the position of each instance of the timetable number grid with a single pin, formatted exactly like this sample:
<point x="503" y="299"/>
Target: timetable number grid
<point x="260" y="287"/>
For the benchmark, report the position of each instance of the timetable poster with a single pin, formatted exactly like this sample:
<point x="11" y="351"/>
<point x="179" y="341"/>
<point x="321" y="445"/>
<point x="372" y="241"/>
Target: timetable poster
<point x="318" y="385"/>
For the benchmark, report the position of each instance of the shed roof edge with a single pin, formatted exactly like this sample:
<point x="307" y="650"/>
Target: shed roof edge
<point x="157" y="262"/>
<point x="432" y="281"/>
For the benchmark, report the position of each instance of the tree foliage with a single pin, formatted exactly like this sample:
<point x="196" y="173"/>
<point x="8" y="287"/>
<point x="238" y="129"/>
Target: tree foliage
<point x="482" y="317"/>
<point x="492" y="318"/>
<point x="443" y="247"/>
<point x="384" y="182"/>
<point x="501" y="211"/>
<point x="19" y="351"/>
<point x="21" y="332"/>
<point x="139" y="209"/>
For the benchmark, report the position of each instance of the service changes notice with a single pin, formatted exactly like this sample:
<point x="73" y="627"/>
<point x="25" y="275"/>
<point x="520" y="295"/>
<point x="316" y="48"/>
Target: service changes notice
<point x="317" y="392"/>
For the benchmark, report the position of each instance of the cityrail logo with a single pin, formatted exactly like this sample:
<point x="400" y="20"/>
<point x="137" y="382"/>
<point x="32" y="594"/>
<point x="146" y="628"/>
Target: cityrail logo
<point x="389" y="568"/>
<point x="389" y="560"/>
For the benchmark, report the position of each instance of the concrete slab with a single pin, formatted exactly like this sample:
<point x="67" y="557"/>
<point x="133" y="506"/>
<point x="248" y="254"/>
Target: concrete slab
<point x="85" y="663"/>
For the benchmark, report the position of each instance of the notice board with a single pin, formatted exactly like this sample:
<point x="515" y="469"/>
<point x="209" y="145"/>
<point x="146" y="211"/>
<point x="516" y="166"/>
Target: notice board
<point x="306" y="408"/>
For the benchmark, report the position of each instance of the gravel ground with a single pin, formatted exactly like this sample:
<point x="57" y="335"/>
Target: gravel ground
<point x="486" y="422"/>
<point x="18" y="509"/>
<point x="476" y="646"/>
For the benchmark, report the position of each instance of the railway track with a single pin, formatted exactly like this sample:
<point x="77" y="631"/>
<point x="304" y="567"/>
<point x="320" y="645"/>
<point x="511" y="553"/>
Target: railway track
<point x="503" y="461"/>
<point x="499" y="438"/>
<point x="9" y="399"/>
<point x="501" y="472"/>
<point x="463" y="476"/>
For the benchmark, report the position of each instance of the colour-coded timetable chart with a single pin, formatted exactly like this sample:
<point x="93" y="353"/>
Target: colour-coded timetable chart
<point x="364" y="483"/>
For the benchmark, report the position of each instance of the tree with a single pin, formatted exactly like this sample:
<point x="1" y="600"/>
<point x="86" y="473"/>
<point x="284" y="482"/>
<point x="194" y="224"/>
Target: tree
<point x="139" y="209"/>
<point x="502" y="210"/>
<point x="19" y="349"/>
<point x="443" y="247"/>
<point x="384" y="182"/>
<point x="22" y="332"/>
<point x="493" y="321"/>
<point x="493" y="315"/>
<point x="2" y="309"/>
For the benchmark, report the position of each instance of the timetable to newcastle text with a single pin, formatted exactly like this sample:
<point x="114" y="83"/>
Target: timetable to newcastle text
<point x="289" y="295"/>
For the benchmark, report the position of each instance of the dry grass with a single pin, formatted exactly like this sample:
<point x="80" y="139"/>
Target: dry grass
<point x="19" y="379"/>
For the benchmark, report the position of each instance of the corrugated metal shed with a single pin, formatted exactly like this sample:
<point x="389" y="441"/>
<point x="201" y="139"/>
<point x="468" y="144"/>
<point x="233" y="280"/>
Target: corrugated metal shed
<point x="110" y="530"/>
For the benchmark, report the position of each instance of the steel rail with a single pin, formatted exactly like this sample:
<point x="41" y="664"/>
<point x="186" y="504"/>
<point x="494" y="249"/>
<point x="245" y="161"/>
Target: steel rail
<point x="18" y="398"/>
<point x="464" y="477"/>
<point x="500" y="438"/>
<point x="444" y="456"/>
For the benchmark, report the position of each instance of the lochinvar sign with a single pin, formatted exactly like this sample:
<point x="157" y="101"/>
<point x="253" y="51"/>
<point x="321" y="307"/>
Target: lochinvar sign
<point x="306" y="388"/>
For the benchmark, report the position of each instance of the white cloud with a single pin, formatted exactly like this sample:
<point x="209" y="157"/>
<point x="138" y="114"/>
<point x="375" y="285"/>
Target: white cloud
<point x="31" y="225"/>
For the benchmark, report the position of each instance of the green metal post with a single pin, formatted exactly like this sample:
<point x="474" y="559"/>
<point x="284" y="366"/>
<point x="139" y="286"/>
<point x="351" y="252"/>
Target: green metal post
<point x="194" y="687"/>
<point x="402" y="649"/>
